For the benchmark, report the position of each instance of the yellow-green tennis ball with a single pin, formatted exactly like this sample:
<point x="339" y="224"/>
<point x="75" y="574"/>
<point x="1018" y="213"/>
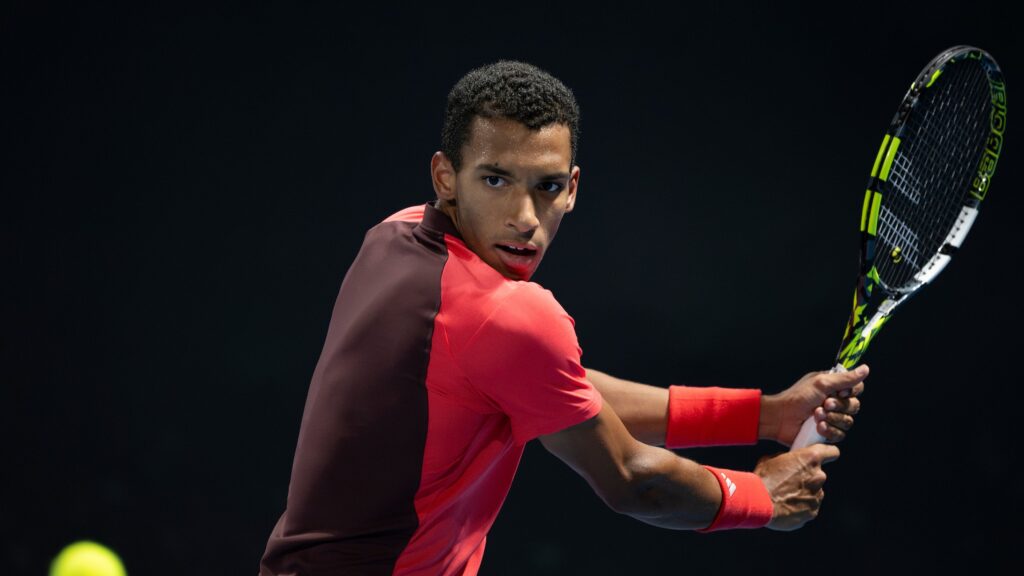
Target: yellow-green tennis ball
<point x="87" y="559"/>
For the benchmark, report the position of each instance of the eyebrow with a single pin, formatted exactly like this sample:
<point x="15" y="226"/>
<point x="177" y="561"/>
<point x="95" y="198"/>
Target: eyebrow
<point x="502" y="172"/>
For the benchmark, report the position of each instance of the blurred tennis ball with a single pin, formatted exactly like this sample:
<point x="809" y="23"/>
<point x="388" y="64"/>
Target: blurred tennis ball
<point x="87" y="559"/>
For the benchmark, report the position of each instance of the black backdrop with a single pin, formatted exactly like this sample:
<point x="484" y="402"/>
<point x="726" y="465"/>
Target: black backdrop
<point x="185" y="188"/>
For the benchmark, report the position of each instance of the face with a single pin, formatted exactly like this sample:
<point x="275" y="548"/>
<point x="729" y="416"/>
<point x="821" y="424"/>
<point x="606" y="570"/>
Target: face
<point x="511" y="193"/>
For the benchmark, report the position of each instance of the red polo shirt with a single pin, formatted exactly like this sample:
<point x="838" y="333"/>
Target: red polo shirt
<point x="435" y="373"/>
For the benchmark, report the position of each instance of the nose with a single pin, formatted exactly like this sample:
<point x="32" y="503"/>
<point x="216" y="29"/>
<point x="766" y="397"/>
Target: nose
<point x="523" y="216"/>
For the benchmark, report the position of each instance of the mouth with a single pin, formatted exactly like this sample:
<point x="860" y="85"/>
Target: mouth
<point x="517" y="249"/>
<point x="520" y="259"/>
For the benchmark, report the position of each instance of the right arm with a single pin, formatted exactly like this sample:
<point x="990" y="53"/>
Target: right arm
<point x="644" y="409"/>
<point x="658" y="487"/>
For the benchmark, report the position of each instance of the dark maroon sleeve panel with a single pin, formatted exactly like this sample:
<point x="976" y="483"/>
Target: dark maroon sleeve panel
<point x="360" y="448"/>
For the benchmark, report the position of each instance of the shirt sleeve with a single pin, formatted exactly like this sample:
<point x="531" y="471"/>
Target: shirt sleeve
<point x="525" y="359"/>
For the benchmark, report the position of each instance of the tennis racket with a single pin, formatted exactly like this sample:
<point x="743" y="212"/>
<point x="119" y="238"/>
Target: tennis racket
<point x="929" y="178"/>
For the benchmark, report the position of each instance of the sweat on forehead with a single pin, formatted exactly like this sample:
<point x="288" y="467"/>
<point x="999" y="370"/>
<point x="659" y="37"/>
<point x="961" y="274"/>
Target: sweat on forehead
<point x="505" y="146"/>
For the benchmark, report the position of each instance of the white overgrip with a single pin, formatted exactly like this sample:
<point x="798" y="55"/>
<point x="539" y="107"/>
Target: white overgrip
<point x="809" y="430"/>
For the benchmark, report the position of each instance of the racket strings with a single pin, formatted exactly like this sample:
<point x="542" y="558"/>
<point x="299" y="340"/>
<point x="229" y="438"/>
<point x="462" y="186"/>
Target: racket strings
<point x="942" y="141"/>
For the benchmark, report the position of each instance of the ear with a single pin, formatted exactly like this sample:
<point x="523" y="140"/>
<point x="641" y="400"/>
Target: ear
<point x="573" y="186"/>
<point x="442" y="174"/>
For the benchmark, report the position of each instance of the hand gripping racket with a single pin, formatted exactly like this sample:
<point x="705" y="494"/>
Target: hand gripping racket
<point x="931" y="173"/>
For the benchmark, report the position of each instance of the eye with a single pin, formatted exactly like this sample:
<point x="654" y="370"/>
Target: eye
<point x="494" y="181"/>
<point x="552" y="187"/>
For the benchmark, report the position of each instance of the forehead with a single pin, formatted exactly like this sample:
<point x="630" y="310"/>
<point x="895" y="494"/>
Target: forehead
<point x="509" y="143"/>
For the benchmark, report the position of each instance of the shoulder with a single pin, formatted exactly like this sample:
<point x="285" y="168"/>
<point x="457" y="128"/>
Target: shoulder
<point x="528" y="314"/>
<point x="404" y="219"/>
<point x="529" y="301"/>
<point x="411" y="214"/>
<point x="477" y="298"/>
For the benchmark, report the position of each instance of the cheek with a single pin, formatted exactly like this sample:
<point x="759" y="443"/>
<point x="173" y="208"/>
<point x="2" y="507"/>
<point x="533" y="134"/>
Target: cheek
<point x="552" y="223"/>
<point x="481" y="215"/>
<point x="474" y="226"/>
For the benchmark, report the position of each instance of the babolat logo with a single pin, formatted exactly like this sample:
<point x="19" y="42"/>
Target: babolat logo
<point x="994" y="144"/>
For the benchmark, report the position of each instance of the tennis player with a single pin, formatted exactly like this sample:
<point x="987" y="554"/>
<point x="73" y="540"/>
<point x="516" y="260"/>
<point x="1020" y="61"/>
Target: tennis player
<point x="442" y="360"/>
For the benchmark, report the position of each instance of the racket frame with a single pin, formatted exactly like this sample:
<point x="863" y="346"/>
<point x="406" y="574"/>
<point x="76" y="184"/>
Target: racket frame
<point x="861" y="329"/>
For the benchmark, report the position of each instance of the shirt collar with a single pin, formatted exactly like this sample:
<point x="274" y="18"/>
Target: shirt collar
<point x="437" y="221"/>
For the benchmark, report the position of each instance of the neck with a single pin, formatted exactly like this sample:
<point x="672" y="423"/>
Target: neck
<point x="450" y="210"/>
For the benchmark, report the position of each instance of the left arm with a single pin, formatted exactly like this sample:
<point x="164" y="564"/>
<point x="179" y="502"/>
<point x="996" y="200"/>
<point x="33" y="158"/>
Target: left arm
<point x="644" y="408"/>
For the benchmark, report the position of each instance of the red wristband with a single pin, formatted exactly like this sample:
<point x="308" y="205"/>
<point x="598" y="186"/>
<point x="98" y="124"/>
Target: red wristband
<point x="712" y="416"/>
<point x="746" y="502"/>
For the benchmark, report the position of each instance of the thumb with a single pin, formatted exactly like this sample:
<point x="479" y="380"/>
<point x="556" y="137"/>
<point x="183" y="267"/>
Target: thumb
<point x="844" y="380"/>
<point x="825" y="453"/>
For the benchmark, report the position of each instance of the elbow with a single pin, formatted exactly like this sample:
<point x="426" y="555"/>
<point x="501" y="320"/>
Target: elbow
<point x="635" y="494"/>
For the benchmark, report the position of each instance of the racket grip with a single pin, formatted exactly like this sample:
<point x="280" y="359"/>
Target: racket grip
<point x="809" y="430"/>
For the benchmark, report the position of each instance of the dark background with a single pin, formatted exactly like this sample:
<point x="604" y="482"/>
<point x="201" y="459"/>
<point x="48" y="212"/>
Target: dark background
<point x="184" y="190"/>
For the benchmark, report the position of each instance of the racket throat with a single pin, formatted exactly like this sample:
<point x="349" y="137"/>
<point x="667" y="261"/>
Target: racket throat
<point x="861" y="336"/>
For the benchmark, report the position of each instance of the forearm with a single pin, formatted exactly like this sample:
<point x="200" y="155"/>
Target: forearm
<point x="768" y="424"/>
<point x="642" y="408"/>
<point x="648" y="483"/>
<point x="671" y="492"/>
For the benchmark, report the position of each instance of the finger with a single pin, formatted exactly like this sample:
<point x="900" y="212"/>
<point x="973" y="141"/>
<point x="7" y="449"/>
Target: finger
<point x="817" y="454"/>
<point x="849" y="406"/>
<point x="815" y="483"/>
<point x="813" y="487"/>
<point x="841" y="383"/>
<point x="831" y="433"/>
<point x="855" y="391"/>
<point x="841" y="415"/>
<point x="838" y="420"/>
<point x="823" y="453"/>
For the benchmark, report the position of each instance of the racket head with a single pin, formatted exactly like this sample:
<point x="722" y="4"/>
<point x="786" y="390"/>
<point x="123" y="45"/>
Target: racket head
<point x="927" y="183"/>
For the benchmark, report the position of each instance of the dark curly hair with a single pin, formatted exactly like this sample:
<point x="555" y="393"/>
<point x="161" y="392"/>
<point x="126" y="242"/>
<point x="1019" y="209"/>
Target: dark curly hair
<point x="507" y="89"/>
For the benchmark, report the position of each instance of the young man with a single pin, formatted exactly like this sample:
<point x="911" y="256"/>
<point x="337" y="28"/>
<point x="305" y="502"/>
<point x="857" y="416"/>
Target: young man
<point x="442" y="360"/>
